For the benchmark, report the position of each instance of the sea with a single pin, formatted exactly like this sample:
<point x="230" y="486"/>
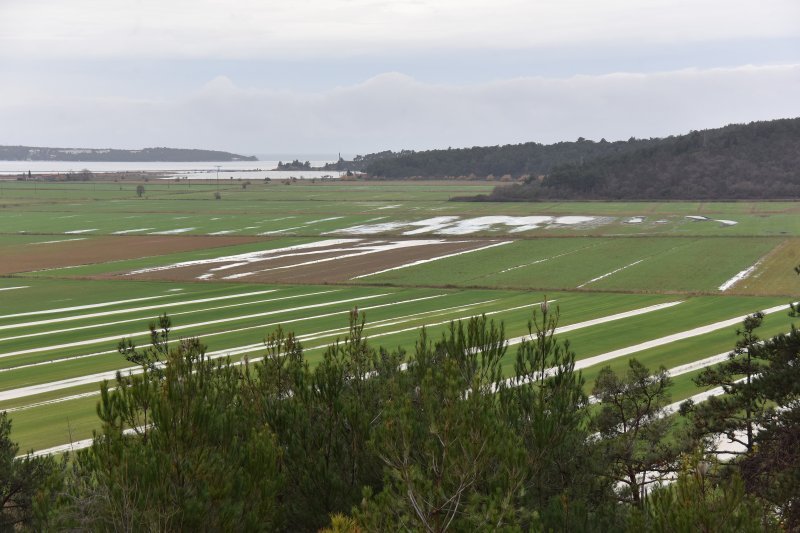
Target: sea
<point x="206" y="170"/>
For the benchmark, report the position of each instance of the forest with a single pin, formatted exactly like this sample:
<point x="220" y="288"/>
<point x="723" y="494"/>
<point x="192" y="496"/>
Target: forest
<point x="441" y="439"/>
<point x="759" y="160"/>
<point x="478" y="162"/>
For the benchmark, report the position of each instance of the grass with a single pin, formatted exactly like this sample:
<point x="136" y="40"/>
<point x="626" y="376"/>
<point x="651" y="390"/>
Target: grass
<point x="389" y="326"/>
<point x="52" y="208"/>
<point x="307" y="218"/>
<point x="667" y="264"/>
<point x="775" y="272"/>
<point x="586" y="342"/>
<point x="236" y="326"/>
<point x="71" y="421"/>
<point x="678" y="260"/>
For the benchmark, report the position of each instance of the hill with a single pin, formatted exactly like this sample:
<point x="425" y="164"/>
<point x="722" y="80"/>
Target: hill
<point x="514" y="160"/>
<point x="739" y="161"/>
<point x="31" y="153"/>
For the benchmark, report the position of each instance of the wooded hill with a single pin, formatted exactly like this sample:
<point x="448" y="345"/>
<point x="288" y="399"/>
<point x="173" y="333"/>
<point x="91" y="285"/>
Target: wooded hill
<point x="31" y="153"/>
<point x="739" y="161"/>
<point x="755" y="160"/>
<point x="514" y="160"/>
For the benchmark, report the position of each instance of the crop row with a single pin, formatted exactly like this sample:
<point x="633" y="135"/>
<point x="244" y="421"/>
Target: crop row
<point x="318" y="315"/>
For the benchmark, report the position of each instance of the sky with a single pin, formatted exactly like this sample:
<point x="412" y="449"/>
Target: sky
<point x="360" y="76"/>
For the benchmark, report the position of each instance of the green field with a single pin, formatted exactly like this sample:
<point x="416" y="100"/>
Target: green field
<point x="59" y="327"/>
<point x="103" y="208"/>
<point x="662" y="264"/>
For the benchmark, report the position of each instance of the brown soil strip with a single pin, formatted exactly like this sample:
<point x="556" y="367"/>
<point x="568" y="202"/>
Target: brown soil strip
<point x="18" y="258"/>
<point x="338" y="270"/>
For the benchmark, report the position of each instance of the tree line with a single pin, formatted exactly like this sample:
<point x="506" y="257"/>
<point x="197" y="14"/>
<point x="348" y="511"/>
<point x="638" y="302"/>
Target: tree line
<point x="740" y="161"/>
<point x="479" y="162"/>
<point x="294" y="165"/>
<point x="444" y="438"/>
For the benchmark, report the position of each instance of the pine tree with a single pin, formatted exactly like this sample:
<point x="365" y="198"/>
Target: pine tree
<point x="450" y="460"/>
<point x="178" y="450"/>
<point x="701" y="500"/>
<point x="736" y="412"/>
<point x="633" y="428"/>
<point x="28" y="485"/>
<point x="546" y="406"/>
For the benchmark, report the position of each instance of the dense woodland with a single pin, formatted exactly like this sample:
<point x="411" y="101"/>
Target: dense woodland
<point x="515" y="160"/>
<point x="375" y="439"/>
<point x="740" y="161"/>
<point x="29" y="153"/>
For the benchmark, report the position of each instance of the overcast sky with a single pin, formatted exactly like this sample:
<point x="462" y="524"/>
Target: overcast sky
<point x="357" y="76"/>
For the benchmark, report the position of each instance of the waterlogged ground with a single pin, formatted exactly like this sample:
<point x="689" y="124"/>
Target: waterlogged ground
<point x="87" y="264"/>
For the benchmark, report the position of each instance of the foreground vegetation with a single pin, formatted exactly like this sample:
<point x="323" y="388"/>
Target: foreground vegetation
<point x="373" y="439"/>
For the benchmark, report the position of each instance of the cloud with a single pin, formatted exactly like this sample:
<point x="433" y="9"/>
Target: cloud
<point x="396" y="111"/>
<point x="332" y="28"/>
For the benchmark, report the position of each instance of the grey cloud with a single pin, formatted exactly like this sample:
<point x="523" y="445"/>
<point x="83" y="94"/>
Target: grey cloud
<point x="332" y="28"/>
<point x="396" y="111"/>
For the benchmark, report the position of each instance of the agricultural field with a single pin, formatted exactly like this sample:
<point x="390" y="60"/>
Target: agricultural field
<point x="85" y="265"/>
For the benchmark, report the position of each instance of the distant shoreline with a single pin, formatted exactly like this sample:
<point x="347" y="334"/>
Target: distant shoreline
<point x="114" y="155"/>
